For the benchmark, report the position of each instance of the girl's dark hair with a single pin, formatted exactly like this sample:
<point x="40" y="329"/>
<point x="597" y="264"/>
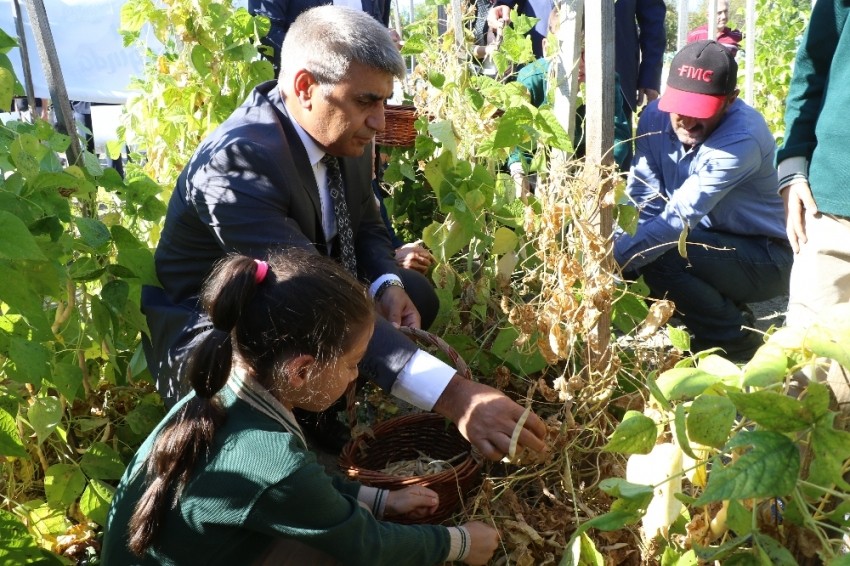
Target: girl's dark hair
<point x="307" y="304"/>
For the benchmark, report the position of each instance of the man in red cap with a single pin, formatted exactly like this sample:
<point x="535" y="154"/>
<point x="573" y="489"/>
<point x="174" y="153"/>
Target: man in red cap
<point x="704" y="166"/>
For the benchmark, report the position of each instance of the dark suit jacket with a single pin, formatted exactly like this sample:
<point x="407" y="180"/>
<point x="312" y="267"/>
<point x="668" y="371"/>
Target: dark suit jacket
<point x="249" y="188"/>
<point x="283" y="12"/>
<point x="640" y="41"/>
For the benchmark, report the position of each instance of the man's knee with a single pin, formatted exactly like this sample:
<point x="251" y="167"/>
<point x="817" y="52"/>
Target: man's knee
<point x="421" y="292"/>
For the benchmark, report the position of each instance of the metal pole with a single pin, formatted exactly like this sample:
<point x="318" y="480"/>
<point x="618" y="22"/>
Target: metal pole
<point x="53" y="74"/>
<point x="25" y="58"/>
<point x="682" y="31"/>
<point x="750" y="53"/>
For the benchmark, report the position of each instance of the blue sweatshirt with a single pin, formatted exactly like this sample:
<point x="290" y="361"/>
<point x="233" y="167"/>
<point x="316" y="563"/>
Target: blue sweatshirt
<point x="727" y="183"/>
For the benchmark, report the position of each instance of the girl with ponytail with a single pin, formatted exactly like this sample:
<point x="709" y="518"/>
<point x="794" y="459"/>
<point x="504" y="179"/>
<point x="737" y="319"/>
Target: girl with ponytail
<point x="226" y="478"/>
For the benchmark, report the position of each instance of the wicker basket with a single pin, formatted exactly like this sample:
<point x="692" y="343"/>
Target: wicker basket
<point x="399" y="130"/>
<point x="406" y="438"/>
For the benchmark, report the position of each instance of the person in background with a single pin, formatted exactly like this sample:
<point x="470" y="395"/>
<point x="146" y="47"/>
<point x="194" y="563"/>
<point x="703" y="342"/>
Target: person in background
<point x="725" y="36"/>
<point x="813" y="173"/>
<point x="704" y="166"/>
<point x="639" y="41"/>
<point x="500" y="15"/>
<point x="292" y="167"/>
<point x="412" y="255"/>
<point x="226" y="478"/>
<point x="535" y="77"/>
<point x="281" y="14"/>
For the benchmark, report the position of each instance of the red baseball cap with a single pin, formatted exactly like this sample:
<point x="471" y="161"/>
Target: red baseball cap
<point x="701" y="76"/>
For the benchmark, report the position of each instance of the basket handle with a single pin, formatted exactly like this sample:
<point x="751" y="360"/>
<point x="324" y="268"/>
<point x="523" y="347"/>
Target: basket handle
<point x="422" y="337"/>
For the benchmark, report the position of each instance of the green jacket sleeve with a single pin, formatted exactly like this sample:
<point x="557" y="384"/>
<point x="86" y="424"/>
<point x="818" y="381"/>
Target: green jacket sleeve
<point x="811" y="74"/>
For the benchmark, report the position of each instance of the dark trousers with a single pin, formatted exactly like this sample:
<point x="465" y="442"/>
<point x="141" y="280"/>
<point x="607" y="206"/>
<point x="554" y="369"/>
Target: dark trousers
<point x="722" y="273"/>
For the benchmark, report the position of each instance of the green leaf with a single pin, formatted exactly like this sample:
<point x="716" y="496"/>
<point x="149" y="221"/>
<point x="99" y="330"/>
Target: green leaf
<point x="144" y="418"/>
<point x="201" y="60"/>
<point x="443" y="132"/>
<point x="102" y="462"/>
<point x="830" y="449"/>
<point x="19" y="547"/>
<point x="68" y="379"/>
<point x="63" y="484"/>
<point x="685" y="383"/>
<point x="710" y="420"/>
<point x="96" y="500"/>
<point x="680" y="338"/>
<point x="772" y="410"/>
<point x="11" y="444"/>
<point x="140" y="263"/>
<point x="635" y="435"/>
<point x="768" y="469"/>
<point x="739" y="518"/>
<point x="16" y="242"/>
<point x="777" y="555"/>
<point x="44" y="416"/>
<point x="93" y="232"/>
<point x="768" y="366"/>
<point x="584" y="552"/>
<point x="680" y="430"/>
<point x="504" y="240"/>
<point x="832" y="343"/>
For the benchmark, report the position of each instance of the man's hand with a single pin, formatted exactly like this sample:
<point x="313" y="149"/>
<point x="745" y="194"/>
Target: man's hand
<point x="414" y="256"/>
<point x="498" y="17"/>
<point x="412" y="502"/>
<point x="799" y="202"/>
<point x="396" y="307"/>
<point x="487" y="418"/>
<point x="646" y="95"/>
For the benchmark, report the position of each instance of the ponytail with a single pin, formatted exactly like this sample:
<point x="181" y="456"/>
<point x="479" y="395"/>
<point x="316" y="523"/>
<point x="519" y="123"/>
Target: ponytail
<point x="188" y="437"/>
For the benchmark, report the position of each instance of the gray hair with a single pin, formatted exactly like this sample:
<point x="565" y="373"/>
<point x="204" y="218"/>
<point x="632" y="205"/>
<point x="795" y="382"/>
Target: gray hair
<point x="326" y="40"/>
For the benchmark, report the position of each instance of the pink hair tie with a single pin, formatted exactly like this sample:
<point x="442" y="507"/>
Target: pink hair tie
<point x="262" y="269"/>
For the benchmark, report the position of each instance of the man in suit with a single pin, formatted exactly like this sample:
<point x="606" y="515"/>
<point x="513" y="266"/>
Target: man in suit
<point x="639" y="47"/>
<point x="260" y="182"/>
<point x="281" y="14"/>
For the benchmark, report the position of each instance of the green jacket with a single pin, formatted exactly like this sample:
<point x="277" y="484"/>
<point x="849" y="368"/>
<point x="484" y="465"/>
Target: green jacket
<point x="534" y="77"/>
<point x="260" y="483"/>
<point x="816" y="128"/>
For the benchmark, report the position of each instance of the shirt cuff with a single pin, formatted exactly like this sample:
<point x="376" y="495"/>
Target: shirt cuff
<point x="373" y="500"/>
<point x="793" y="168"/>
<point x="422" y="380"/>
<point x="373" y="288"/>
<point x="459" y="544"/>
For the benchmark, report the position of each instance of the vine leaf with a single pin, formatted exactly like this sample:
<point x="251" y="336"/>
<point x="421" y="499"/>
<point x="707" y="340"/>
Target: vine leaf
<point x="768" y="469"/>
<point x="102" y="462"/>
<point x="11" y="444"/>
<point x="635" y="435"/>
<point x="773" y="410"/>
<point x="830" y="448"/>
<point x="44" y="416"/>
<point x="96" y="500"/>
<point x="16" y="242"/>
<point x="709" y="420"/>
<point x="63" y="483"/>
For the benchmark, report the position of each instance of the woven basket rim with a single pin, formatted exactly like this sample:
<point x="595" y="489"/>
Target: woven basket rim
<point x="348" y="457"/>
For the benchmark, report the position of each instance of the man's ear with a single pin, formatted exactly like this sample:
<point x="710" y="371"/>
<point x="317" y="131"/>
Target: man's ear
<point x="732" y="97"/>
<point x="305" y="85"/>
<point x="299" y="370"/>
